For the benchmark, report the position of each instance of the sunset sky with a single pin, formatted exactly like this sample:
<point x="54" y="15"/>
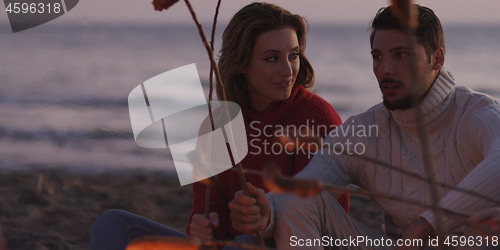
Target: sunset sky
<point x="316" y="11"/>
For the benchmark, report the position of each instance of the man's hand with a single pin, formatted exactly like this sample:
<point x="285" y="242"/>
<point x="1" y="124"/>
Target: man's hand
<point x="418" y="229"/>
<point x="489" y="218"/>
<point x="202" y="227"/>
<point x="250" y="213"/>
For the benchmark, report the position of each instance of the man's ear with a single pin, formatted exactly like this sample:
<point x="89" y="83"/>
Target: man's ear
<point x="438" y="59"/>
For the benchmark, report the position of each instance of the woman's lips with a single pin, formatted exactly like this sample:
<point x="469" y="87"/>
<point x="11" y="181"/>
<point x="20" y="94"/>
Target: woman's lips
<point x="283" y="84"/>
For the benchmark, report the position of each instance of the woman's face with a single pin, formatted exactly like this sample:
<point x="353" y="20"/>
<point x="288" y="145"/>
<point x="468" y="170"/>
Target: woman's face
<point x="273" y="67"/>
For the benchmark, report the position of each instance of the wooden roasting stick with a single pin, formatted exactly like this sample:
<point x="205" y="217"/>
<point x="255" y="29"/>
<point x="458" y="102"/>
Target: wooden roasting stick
<point x="164" y="4"/>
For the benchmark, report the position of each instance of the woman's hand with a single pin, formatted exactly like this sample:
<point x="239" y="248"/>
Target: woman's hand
<point x="202" y="227"/>
<point x="250" y="213"/>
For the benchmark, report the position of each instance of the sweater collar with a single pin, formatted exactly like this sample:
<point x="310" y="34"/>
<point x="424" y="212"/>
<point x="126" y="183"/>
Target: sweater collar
<point x="433" y="104"/>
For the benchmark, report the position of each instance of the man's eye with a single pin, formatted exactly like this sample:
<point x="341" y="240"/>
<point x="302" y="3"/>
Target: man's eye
<point x="376" y="56"/>
<point x="402" y="54"/>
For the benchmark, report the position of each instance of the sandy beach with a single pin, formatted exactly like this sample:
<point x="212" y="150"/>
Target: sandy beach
<point x="54" y="209"/>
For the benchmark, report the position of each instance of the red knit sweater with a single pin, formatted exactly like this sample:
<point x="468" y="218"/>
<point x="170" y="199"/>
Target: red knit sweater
<point x="301" y="108"/>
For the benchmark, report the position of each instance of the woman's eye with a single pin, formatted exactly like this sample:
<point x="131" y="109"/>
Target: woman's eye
<point x="272" y="59"/>
<point x="294" y="56"/>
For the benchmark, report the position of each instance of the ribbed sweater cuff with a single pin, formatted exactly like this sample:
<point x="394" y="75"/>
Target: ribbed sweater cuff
<point x="448" y="224"/>
<point x="268" y="232"/>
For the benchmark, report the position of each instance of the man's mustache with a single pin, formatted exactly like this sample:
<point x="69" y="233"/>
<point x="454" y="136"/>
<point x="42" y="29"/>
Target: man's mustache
<point x="390" y="80"/>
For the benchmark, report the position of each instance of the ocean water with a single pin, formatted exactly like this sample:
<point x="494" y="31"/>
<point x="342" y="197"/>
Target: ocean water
<point x="64" y="89"/>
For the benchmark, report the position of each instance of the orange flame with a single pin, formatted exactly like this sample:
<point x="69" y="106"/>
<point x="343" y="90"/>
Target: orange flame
<point x="162" y="243"/>
<point x="274" y="181"/>
<point x="199" y="161"/>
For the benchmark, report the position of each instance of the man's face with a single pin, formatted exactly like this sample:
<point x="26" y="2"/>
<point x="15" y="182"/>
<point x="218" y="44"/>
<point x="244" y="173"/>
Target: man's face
<point x="391" y="65"/>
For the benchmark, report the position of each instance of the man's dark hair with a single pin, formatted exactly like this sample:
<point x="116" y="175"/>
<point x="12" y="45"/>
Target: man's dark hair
<point x="429" y="33"/>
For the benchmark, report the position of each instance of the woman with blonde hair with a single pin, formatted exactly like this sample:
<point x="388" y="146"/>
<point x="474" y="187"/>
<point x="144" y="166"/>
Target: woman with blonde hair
<point x="264" y="70"/>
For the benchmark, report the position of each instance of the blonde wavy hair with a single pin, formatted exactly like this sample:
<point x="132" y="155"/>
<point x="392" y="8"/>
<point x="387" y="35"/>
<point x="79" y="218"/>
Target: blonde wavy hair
<point x="238" y="41"/>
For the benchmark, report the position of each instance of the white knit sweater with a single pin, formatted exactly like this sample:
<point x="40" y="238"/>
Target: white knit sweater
<point x="464" y="133"/>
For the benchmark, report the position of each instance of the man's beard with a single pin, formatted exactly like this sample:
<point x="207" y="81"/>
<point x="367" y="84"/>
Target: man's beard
<point x="405" y="102"/>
